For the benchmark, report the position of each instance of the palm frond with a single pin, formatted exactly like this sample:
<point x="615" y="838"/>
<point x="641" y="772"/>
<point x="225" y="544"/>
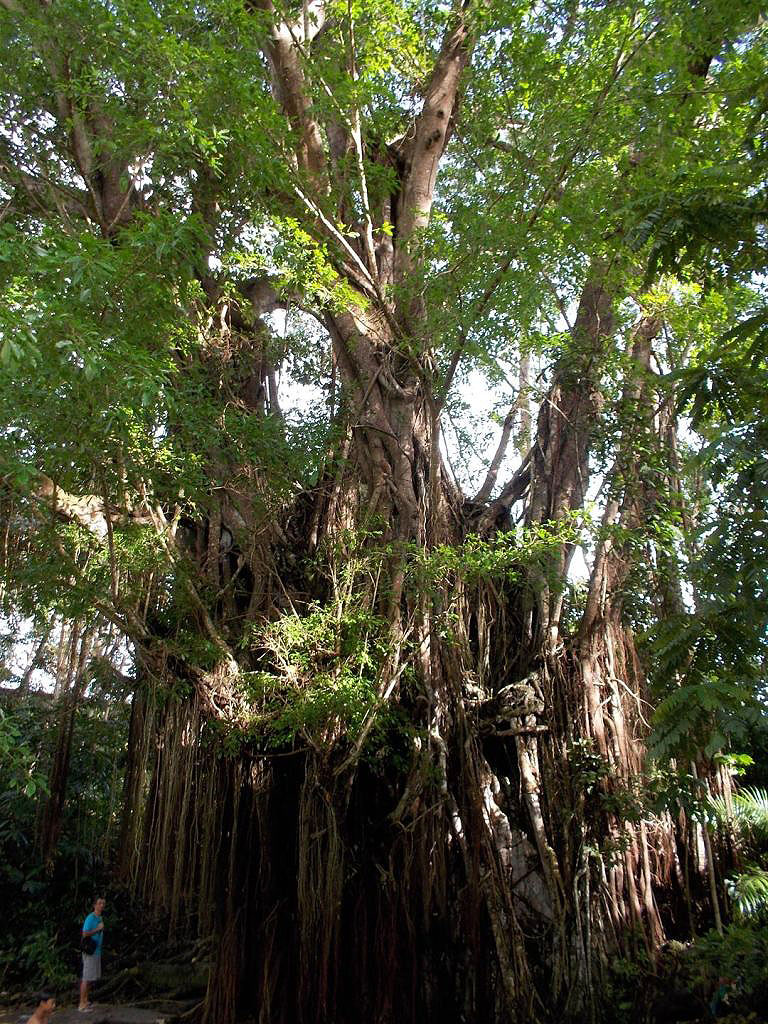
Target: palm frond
<point x="750" y="807"/>
<point x="749" y="891"/>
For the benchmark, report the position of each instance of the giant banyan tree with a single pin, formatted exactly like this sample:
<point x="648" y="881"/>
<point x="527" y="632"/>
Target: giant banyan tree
<point x="387" y="747"/>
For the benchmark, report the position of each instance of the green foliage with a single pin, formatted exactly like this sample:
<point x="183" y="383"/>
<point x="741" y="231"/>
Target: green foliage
<point x="671" y="789"/>
<point x="41" y="959"/>
<point x="589" y="768"/>
<point x="722" y="975"/>
<point x="625" y="976"/>
<point x="702" y="716"/>
<point x="748" y="813"/>
<point x="685" y="226"/>
<point x="654" y="792"/>
<point x="749" y="891"/>
<point x="705" y="223"/>
<point x="709" y="662"/>
<point x="21" y="772"/>
<point x="750" y="807"/>
<point x="740" y="955"/>
<point x="504" y="555"/>
<point x="323" y="681"/>
<point x="305" y="268"/>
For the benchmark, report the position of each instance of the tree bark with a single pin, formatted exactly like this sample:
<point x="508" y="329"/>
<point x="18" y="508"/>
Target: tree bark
<point x="80" y="642"/>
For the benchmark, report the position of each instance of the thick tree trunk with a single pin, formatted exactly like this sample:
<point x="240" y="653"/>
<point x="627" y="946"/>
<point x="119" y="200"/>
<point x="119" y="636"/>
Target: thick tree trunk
<point x="338" y="892"/>
<point x="492" y="868"/>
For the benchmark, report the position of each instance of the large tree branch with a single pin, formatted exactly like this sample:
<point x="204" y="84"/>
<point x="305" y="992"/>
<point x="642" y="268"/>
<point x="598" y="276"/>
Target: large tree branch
<point x="346" y="133"/>
<point x="425" y="144"/>
<point x="493" y="470"/>
<point x="90" y="133"/>
<point x="288" y="57"/>
<point x="290" y="85"/>
<point x="88" y="510"/>
<point x="357" y="137"/>
<point x="510" y="494"/>
<point x="215" y="686"/>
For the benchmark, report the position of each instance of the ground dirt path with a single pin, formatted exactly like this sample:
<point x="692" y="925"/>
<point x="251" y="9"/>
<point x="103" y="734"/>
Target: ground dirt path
<point x="100" y="1014"/>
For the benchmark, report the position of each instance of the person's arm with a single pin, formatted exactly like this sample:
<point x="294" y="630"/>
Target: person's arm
<point x="92" y="931"/>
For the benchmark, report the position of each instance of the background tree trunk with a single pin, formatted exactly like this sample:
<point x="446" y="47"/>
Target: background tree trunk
<point x="68" y="701"/>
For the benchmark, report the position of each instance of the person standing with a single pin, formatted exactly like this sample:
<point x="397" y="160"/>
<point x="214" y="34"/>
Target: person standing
<point x="93" y="927"/>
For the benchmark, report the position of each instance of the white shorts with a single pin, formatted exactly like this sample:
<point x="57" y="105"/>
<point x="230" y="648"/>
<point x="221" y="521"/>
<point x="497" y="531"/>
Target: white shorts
<point x="91" y="967"/>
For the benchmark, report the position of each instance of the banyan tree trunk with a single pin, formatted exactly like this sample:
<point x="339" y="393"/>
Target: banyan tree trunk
<point x="490" y="871"/>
